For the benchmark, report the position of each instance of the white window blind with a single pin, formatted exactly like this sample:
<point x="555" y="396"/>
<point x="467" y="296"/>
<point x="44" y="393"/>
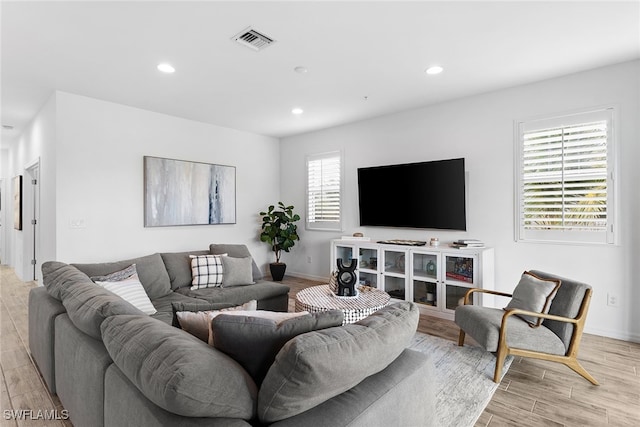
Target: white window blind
<point x="324" y="191"/>
<point x="565" y="185"/>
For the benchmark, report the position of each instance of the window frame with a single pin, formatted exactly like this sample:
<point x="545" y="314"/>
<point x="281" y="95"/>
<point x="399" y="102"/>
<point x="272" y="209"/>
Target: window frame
<point x="325" y="225"/>
<point x="609" y="236"/>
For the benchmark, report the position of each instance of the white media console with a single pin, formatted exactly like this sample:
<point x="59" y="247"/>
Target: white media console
<point x="434" y="277"/>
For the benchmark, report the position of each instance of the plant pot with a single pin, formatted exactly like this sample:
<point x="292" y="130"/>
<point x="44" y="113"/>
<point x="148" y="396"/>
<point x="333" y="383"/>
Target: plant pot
<point x="277" y="270"/>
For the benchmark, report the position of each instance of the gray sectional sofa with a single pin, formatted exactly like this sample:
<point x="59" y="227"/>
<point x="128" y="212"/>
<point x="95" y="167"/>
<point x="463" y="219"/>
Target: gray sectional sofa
<point x="112" y="365"/>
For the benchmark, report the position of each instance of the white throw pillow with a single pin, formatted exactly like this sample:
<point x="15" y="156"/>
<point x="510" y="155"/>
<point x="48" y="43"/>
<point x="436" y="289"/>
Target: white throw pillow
<point x="206" y="271"/>
<point x="132" y="291"/>
<point x="198" y="323"/>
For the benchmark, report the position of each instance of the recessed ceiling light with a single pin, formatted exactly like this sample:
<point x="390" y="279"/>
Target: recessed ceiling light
<point x="297" y="111"/>
<point x="166" y="68"/>
<point x="300" y="69"/>
<point x="436" y="69"/>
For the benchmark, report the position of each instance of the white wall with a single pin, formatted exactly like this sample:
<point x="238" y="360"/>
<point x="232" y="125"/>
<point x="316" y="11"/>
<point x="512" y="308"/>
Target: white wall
<point x="481" y="129"/>
<point x="100" y="153"/>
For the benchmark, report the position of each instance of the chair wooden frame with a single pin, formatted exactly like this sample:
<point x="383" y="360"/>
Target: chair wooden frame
<point x="569" y="359"/>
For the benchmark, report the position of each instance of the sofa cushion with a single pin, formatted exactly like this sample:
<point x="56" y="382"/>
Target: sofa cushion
<point x="198" y="323"/>
<point x="237" y="295"/>
<point x="236" y="251"/>
<point x="254" y="340"/>
<point x="316" y="366"/>
<point x="178" y="265"/>
<point x="533" y="294"/>
<point x="236" y="271"/>
<point x="151" y="271"/>
<point x="57" y="275"/>
<point x="178" y="372"/>
<point x="87" y="304"/>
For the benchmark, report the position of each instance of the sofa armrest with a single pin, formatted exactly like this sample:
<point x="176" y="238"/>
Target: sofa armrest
<point x="43" y="310"/>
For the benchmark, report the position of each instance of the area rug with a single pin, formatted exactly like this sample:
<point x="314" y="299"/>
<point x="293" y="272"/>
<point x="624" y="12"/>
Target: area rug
<point x="464" y="379"/>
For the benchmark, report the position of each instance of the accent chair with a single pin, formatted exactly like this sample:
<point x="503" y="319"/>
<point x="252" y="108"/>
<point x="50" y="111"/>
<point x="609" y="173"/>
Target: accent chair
<point x="505" y="332"/>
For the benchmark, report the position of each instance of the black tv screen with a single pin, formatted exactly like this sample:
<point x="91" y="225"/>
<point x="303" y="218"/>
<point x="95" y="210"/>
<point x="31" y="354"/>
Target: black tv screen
<point x="413" y="195"/>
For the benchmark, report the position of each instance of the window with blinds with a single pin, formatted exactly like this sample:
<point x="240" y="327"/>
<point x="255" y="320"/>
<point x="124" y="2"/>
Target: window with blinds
<point x="324" y="192"/>
<point x="565" y="178"/>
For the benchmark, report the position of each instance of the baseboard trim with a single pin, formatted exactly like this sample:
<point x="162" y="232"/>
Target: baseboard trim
<point x="618" y="335"/>
<point x="307" y="276"/>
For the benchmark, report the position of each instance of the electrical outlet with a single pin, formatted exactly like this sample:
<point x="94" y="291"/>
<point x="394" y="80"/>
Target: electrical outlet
<point x="309" y="259"/>
<point x="77" y="223"/>
<point x="612" y="300"/>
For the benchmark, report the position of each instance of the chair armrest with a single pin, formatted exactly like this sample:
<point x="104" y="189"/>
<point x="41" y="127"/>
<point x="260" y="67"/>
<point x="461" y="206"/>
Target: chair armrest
<point x="484" y="291"/>
<point x="514" y="311"/>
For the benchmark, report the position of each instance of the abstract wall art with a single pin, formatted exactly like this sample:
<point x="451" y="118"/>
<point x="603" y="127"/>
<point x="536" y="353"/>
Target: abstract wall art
<point x="179" y="192"/>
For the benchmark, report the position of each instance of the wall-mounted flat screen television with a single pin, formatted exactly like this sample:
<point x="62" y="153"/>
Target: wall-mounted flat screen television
<point x="413" y="195"/>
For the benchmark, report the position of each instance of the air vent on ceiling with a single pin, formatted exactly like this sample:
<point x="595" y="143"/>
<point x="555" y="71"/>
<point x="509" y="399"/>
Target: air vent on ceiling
<point x="253" y="39"/>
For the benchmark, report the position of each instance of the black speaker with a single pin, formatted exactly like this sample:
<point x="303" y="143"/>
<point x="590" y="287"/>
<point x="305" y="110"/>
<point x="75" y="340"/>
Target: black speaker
<point x="347" y="278"/>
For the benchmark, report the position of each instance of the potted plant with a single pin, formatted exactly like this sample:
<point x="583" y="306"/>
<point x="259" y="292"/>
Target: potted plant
<point x="280" y="232"/>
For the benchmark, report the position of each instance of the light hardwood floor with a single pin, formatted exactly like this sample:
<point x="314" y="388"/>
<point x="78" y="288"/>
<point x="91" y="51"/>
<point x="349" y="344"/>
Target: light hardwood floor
<point x="532" y="393"/>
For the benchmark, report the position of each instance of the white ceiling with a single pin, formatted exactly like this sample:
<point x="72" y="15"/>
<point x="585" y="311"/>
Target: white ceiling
<point x="364" y="59"/>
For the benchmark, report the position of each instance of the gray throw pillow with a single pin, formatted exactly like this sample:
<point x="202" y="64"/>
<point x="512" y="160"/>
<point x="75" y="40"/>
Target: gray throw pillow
<point x="254" y="341"/>
<point x="533" y="294"/>
<point x="317" y="366"/>
<point x="236" y="251"/>
<point x="236" y="271"/>
<point x="178" y="372"/>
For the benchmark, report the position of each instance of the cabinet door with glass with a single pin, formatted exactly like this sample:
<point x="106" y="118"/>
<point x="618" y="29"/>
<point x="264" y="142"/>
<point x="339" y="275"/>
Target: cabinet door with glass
<point x="425" y="279"/>
<point x="346" y="252"/>
<point x="368" y="265"/>
<point x="460" y="274"/>
<point x="394" y="272"/>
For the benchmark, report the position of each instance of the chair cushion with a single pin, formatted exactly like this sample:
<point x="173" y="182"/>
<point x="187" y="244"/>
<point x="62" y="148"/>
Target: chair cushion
<point x="566" y="303"/>
<point x="253" y="341"/>
<point x="533" y="294"/>
<point x="236" y="251"/>
<point x="151" y="271"/>
<point x="178" y="372"/>
<point x="317" y="366"/>
<point x="483" y="324"/>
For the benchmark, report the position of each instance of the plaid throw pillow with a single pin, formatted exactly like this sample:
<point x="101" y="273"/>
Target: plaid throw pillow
<point x="206" y="271"/>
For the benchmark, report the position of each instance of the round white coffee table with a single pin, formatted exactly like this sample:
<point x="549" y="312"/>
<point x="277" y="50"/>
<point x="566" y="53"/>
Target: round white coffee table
<point x="320" y="298"/>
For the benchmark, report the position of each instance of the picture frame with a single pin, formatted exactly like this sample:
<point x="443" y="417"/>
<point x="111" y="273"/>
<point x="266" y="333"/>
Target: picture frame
<point x="181" y="192"/>
<point x="16" y="183"/>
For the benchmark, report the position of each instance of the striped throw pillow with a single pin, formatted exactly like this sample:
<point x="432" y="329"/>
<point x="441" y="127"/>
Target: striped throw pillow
<point x="206" y="271"/>
<point x="130" y="290"/>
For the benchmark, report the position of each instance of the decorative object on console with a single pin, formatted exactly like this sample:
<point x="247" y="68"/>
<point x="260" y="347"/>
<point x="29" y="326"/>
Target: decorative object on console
<point x="347" y="278"/>
<point x="434" y="242"/>
<point x="280" y="232"/>
<point x="467" y="243"/>
<point x="178" y="192"/>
